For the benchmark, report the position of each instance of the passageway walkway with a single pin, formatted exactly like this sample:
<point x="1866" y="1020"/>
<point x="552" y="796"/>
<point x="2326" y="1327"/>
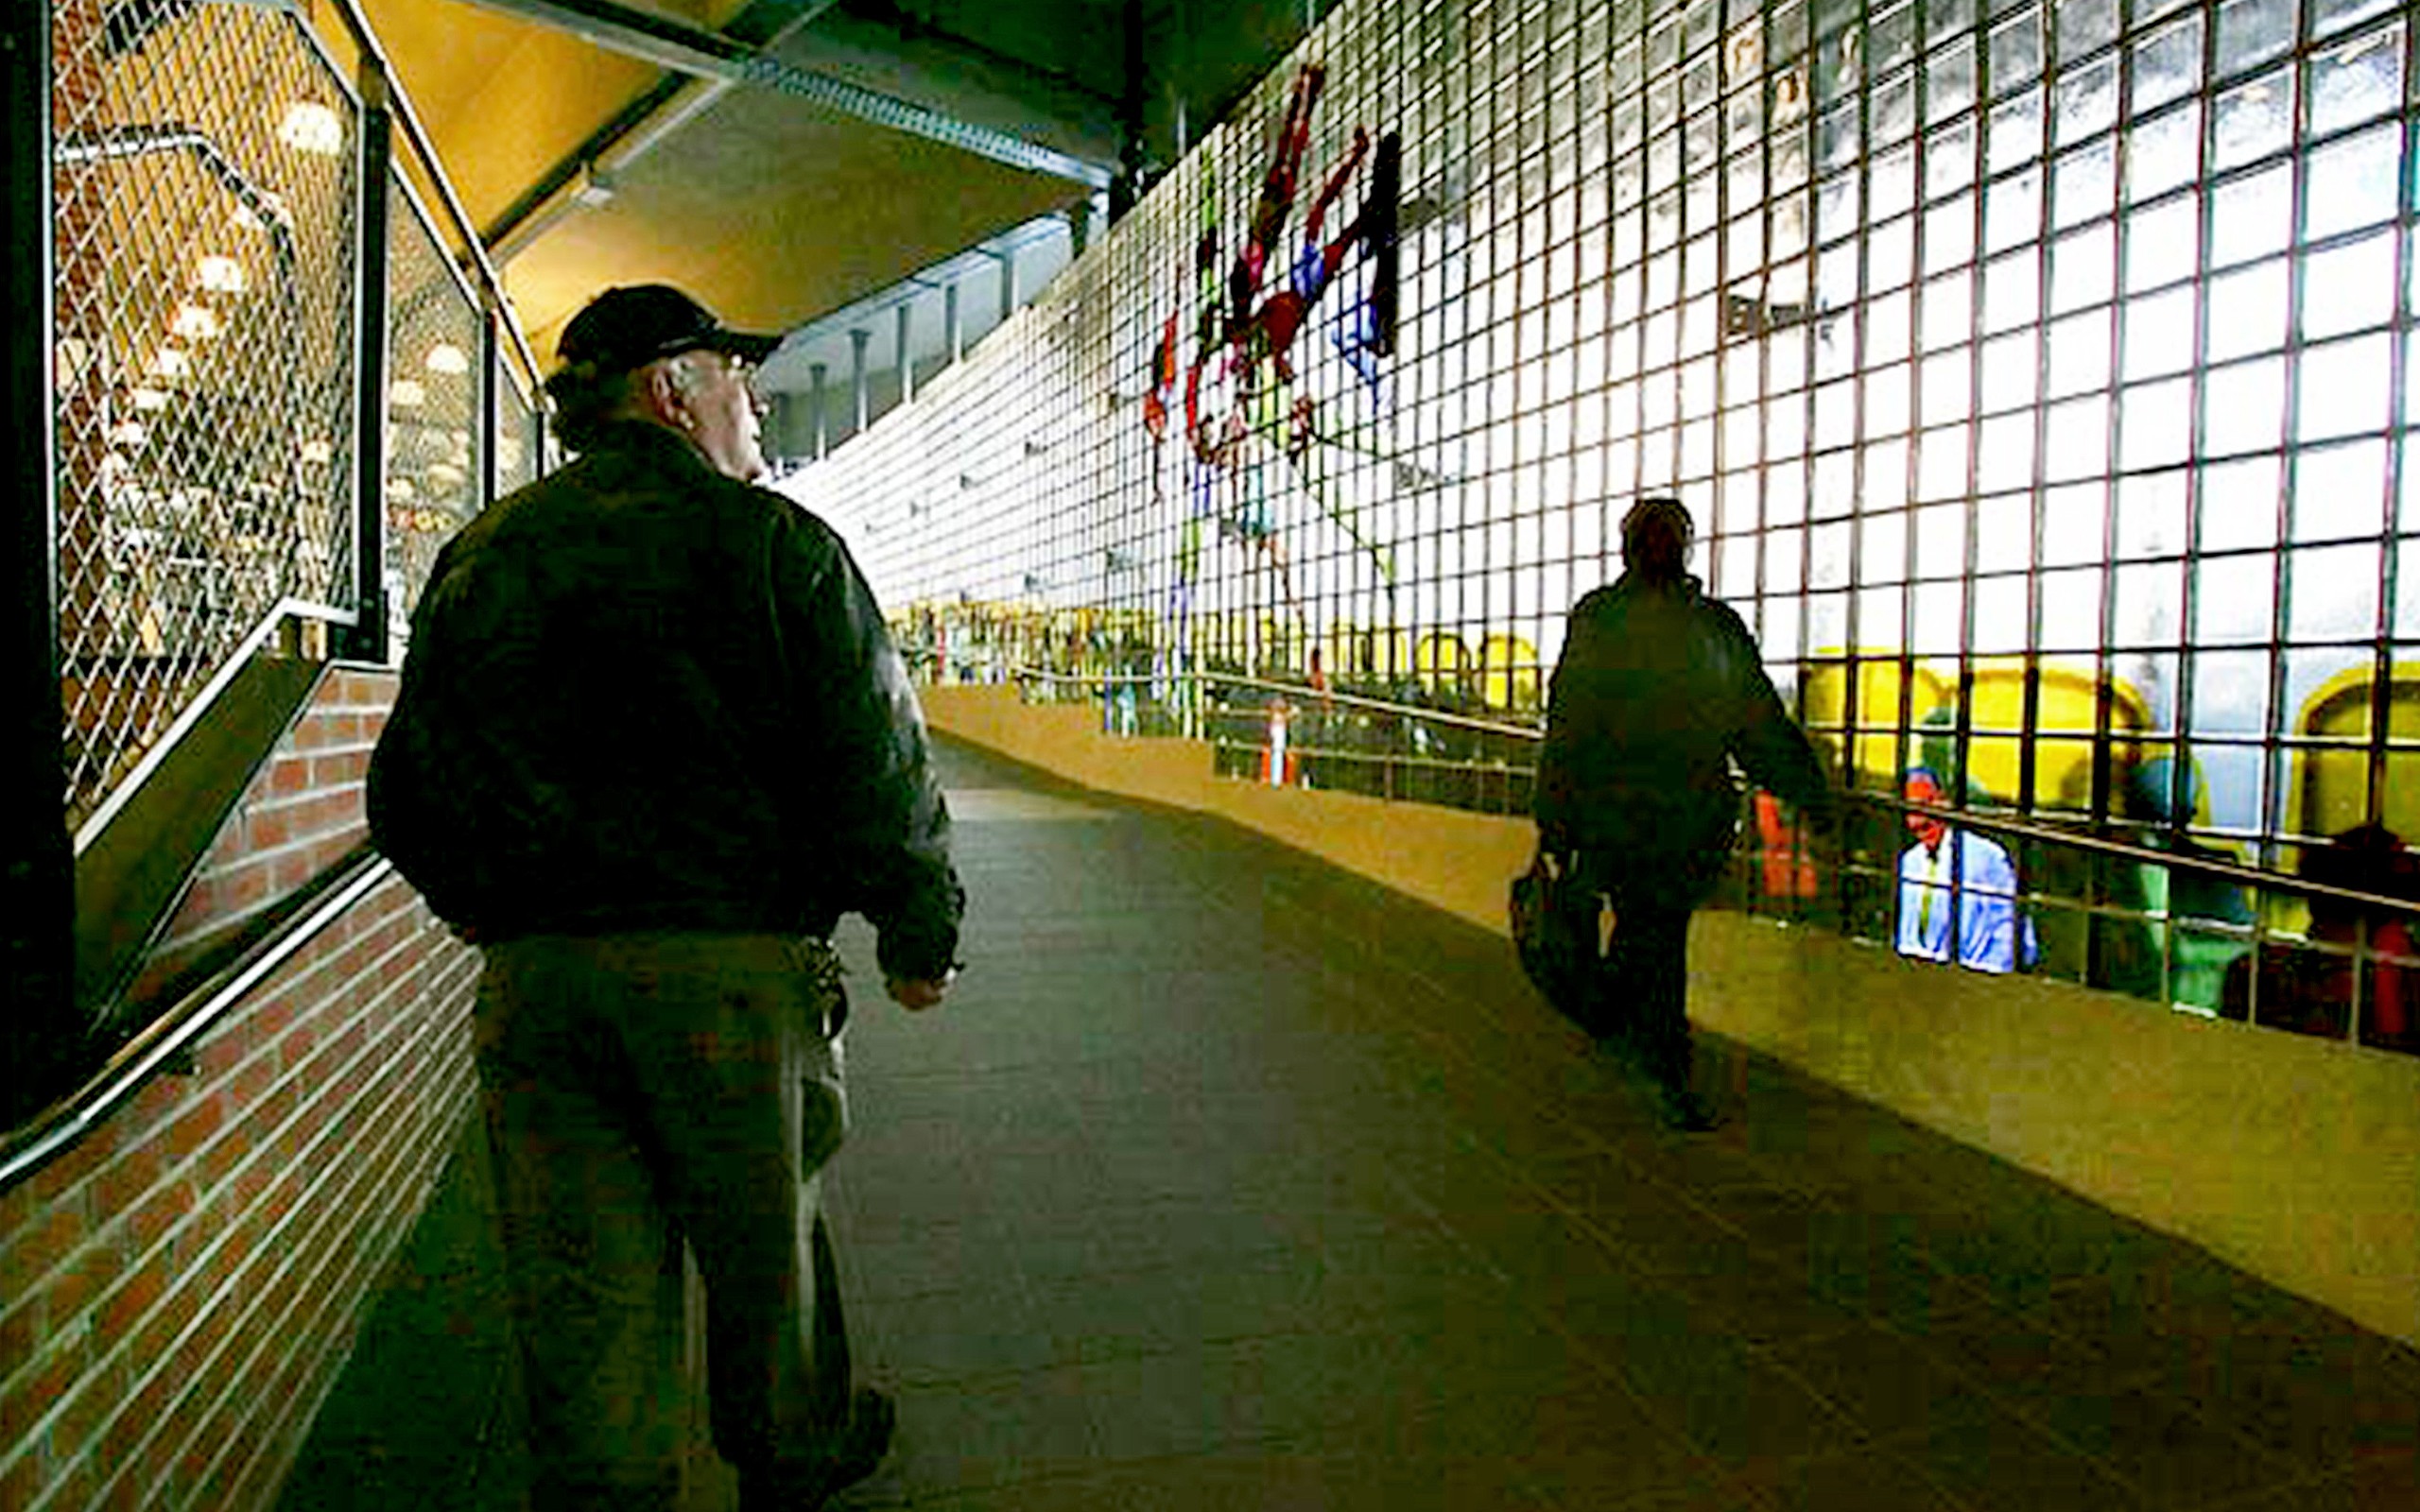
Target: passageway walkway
<point x="1229" y="1181"/>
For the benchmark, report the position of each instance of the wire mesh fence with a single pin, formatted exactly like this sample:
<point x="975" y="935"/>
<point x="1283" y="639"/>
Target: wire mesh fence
<point x="203" y="186"/>
<point x="434" y="472"/>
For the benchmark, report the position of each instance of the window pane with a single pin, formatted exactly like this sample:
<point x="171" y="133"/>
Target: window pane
<point x="2083" y="269"/>
<point x="2230" y="694"/>
<point x="2079" y="349"/>
<point x="1941" y="541"/>
<point x="2340" y="491"/>
<point x="2071" y="610"/>
<point x="2353" y="183"/>
<point x="2163" y="243"/>
<point x="2332" y="592"/>
<point x="2000" y="616"/>
<point x="2349" y="287"/>
<point x="2159" y="334"/>
<point x="2167" y="62"/>
<point x="2016" y="50"/>
<point x="2253" y="120"/>
<point x="2252" y="215"/>
<point x="2004" y="533"/>
<point x="2239" y="504"/>
<point x="2076" y="439"/>
<point x="2149" y="609"/>
<point x="2244" y="407"/>
<point x="2248" y="311"/>
<point x="2164" y="152"/>
<point x="1942" y="463"/>
<point x="2356" y="79"/>
<point x="2155" y="425"/>
<point x="2232" y="600"/>
<point x="2344" y="387"/>
<point x="2074" y="520"/>
<point x="2084" y="101"/>
<point x="2153" y="511"/>
<point x="2250" y="32"/>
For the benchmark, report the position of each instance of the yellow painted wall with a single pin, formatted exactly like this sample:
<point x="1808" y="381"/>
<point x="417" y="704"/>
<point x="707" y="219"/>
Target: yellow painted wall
<point x="2294" y="1159"/>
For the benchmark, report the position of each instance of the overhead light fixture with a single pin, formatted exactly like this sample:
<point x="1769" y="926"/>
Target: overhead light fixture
<point x="447" y="358"/>
<point x="406" y="393"/>
<point x="311" y="127"/>
<point x="219" y="275"/>
<point x="194" y="322"/>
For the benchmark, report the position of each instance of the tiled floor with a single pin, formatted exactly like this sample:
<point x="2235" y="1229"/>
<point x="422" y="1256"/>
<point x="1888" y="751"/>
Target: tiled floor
<point x="1227" y="1180"/>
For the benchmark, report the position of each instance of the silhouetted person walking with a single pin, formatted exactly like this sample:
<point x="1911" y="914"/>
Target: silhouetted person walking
<point x="1659" y="689"/>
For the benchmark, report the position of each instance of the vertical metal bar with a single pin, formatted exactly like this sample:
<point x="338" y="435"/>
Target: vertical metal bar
<point x="1007" y="256"/>
<point x="815" y="391"/>
<point x="859" y="407"/>
<point x="906" y="356"/>
<point x="367" y="641"/>
<point x="953" y="336"/>
<point x="491" y="394"/>
<point x="38" y="897"/>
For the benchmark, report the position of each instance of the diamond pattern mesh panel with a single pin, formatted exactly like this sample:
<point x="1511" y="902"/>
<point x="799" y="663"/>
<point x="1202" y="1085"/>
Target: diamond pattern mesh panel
<point x="432" y="405"/>
<point x="203" y="186"/>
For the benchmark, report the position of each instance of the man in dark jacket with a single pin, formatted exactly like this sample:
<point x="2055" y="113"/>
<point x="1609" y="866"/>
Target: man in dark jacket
<point x="651" y="741"/>
<point x="1659" y="689"/>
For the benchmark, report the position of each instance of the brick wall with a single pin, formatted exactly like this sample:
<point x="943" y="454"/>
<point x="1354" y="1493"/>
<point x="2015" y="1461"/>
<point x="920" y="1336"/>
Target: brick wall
<point x="303" y="813"/>
<point x="178" y="1290"/>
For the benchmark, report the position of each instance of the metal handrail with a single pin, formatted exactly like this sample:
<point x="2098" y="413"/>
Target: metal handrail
<point x="1384" y="706"/>
<point x="41" y="1139"/>
<point x="1985" y="820"/>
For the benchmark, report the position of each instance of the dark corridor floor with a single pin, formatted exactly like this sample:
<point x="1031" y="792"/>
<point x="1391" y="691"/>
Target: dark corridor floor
<point x="1228" y="1180"/>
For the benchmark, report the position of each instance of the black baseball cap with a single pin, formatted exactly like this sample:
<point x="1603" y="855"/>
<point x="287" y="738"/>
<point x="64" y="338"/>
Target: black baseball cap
<point x="631" y="326"/>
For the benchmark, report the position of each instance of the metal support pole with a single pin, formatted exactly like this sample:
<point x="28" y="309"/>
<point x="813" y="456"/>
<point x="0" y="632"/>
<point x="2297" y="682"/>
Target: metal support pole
<point x="1007" y="256"/>
<point x="815" y="391"/>
<point x="367" y="641"/>
<point x="953" y="337"/>
<point x="1079" y="224"/>
<point x="37" y="1028"/>
<point x="491" y="394"/>
<point x="857" y="340"/>
<point x="907" y="354"/>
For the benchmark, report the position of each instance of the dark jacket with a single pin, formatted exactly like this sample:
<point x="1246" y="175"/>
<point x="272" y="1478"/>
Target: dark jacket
<point x="641" y="696"/>
<point x="1659" y="689"/>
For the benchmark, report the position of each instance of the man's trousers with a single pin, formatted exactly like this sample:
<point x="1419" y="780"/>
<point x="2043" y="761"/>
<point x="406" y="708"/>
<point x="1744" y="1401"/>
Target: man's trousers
<point x="641" y="1091"/>
<point x="1638" y="990"/>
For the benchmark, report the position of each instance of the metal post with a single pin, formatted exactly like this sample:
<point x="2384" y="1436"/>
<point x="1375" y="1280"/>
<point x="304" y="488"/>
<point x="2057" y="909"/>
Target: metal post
<point x="906" y="356"/>
<point x="953" y="340"/>
<point x="38" y="1036"/>
<point x="1007" y="256"/>
<point x="815" y="391"/>
<point x="491" y="392"/>
<point x="857" y="340"/>
<point x="367" y="641"/>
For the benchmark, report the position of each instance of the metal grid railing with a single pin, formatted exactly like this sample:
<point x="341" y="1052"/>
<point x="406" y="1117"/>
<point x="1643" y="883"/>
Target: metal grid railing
<point x="204" y="315"/>
<point x="434" y="469"/>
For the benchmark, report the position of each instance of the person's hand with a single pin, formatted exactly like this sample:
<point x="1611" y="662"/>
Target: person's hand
<point x="916" y="994"/>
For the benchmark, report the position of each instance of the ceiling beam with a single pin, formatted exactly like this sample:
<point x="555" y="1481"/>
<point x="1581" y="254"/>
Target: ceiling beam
<point x="712" y="56"/>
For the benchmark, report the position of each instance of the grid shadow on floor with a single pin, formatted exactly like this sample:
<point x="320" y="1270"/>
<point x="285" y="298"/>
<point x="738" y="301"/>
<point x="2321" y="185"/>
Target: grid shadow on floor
<point x="1227" y="1180"/>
